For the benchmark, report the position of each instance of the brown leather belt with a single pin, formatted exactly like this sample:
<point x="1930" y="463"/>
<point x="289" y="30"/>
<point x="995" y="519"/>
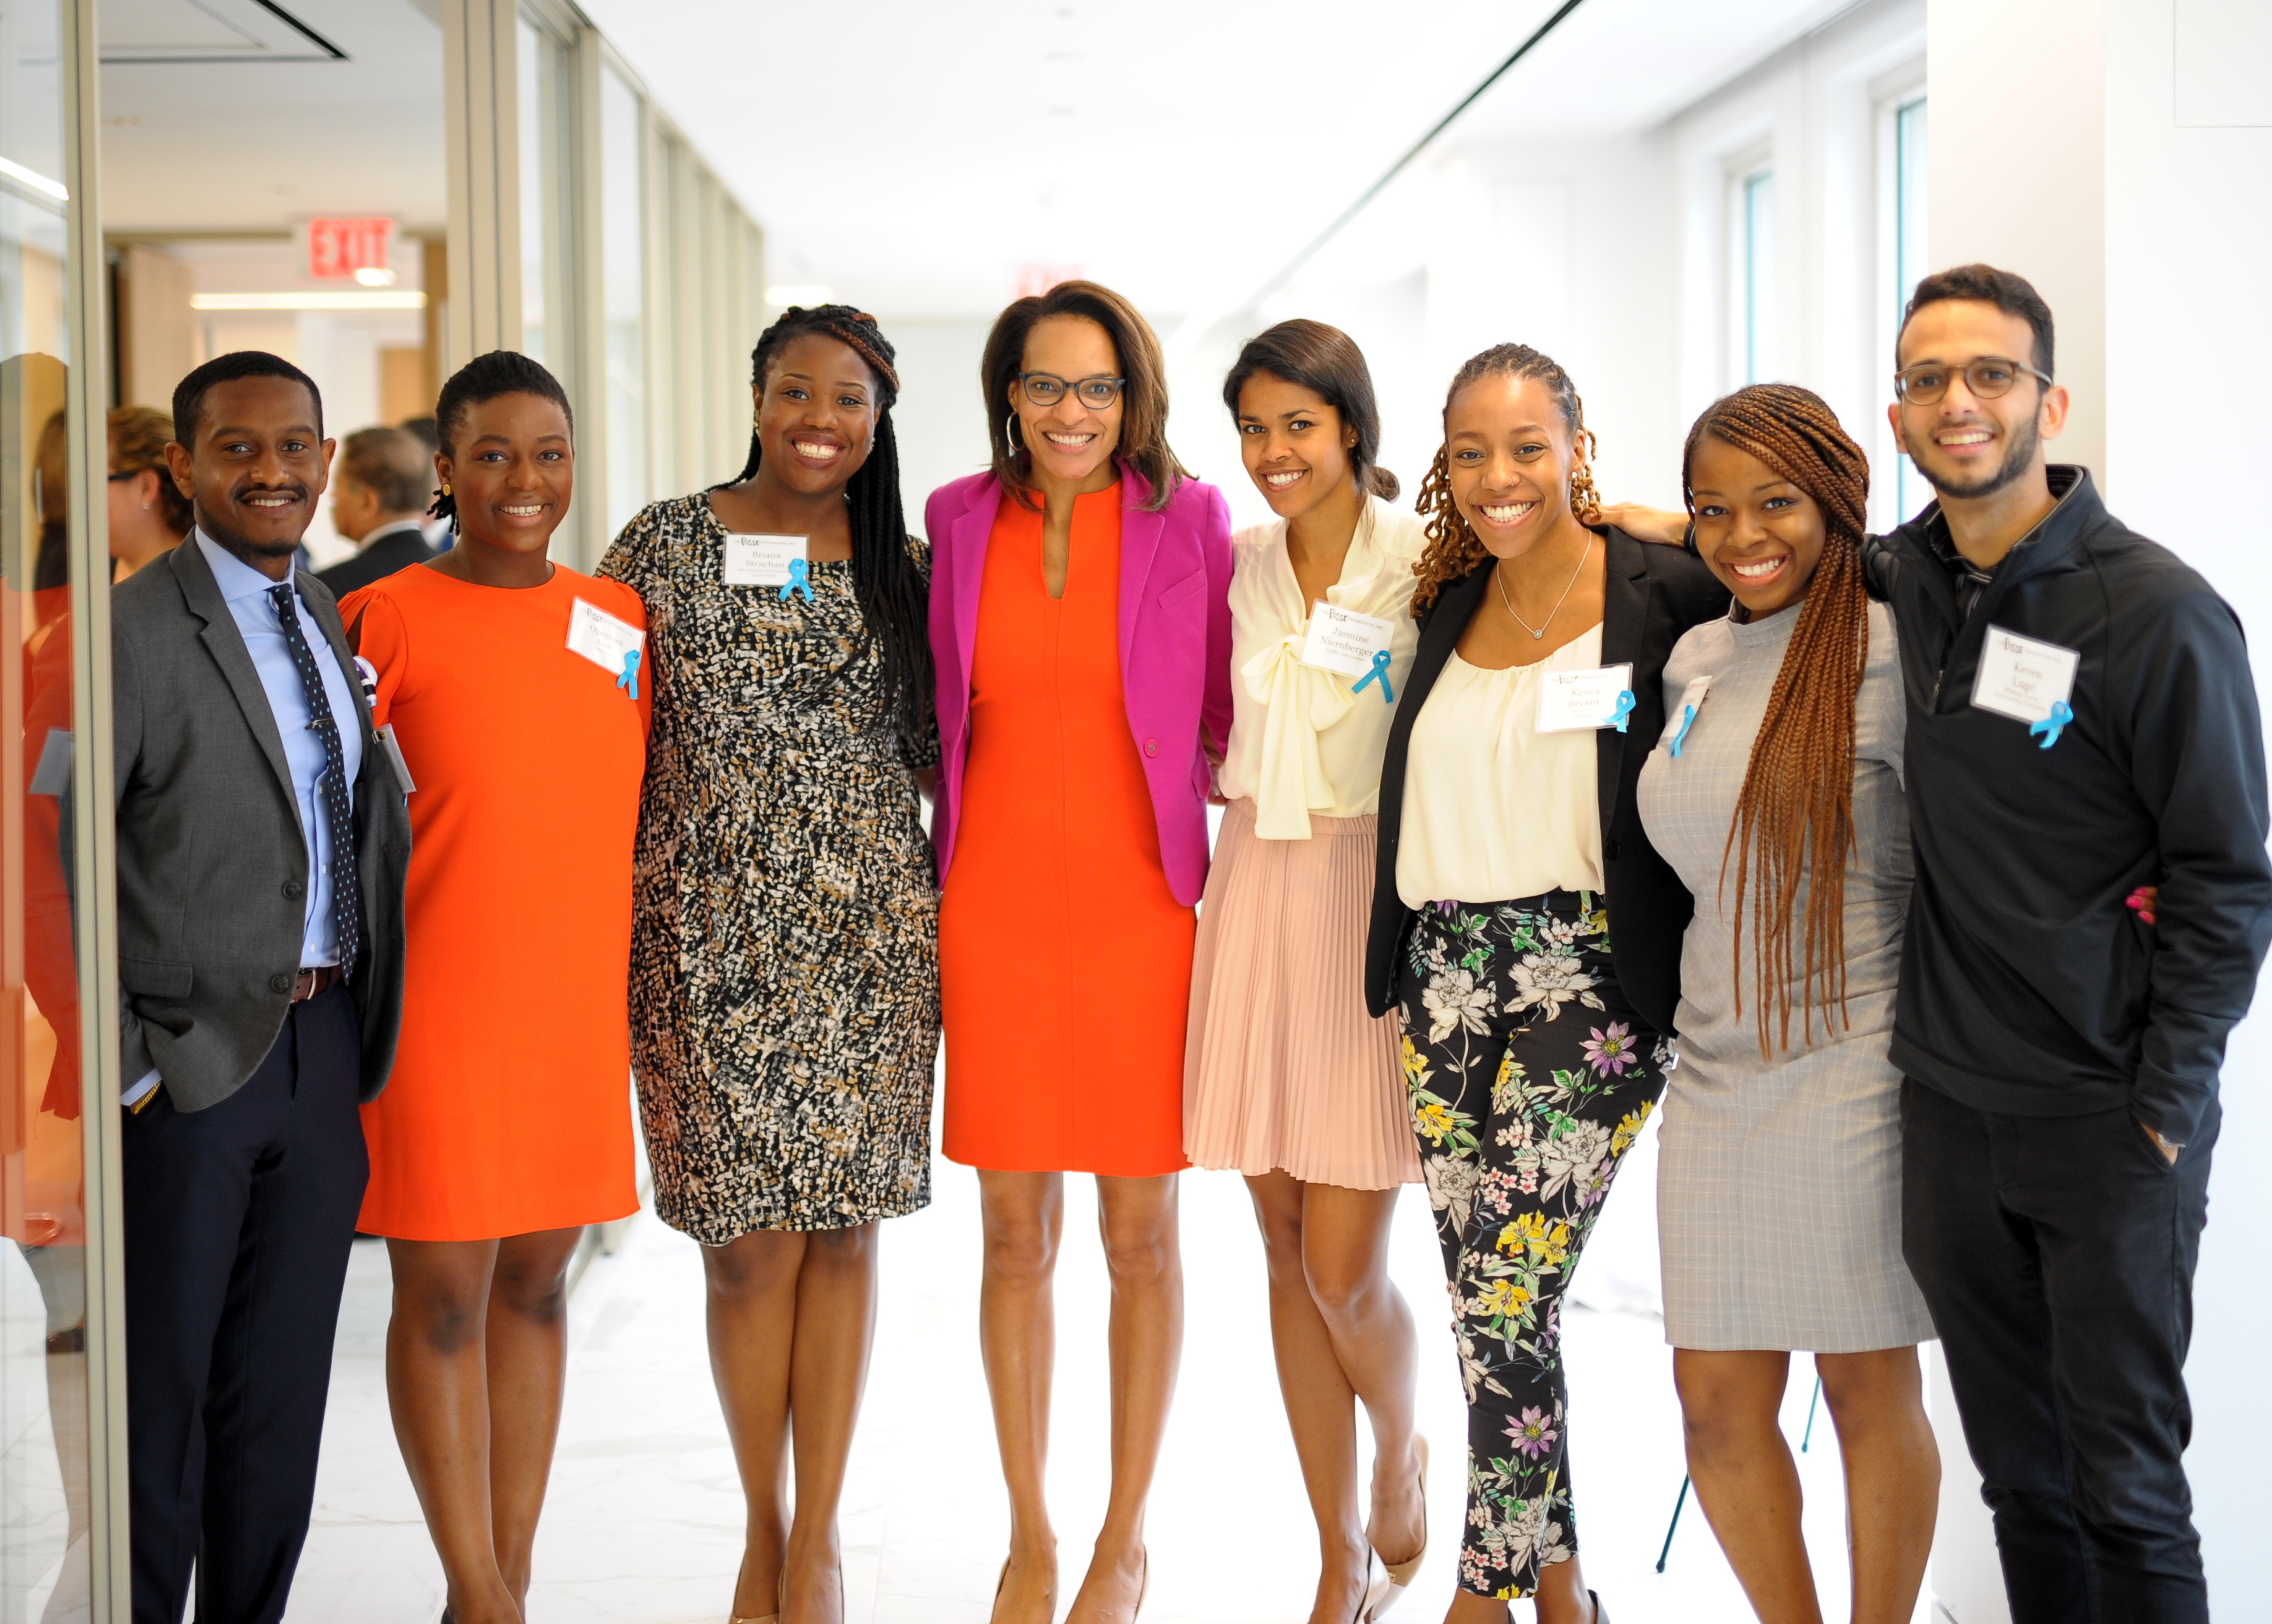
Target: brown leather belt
<point x="313" y="981"/>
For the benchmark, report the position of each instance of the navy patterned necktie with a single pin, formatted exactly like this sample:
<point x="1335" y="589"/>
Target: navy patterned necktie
<point x="339" y="815"/>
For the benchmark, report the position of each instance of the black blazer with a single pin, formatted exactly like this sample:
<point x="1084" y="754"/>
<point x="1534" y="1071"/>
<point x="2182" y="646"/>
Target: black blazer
<point x="1651" y="595"/>
<point x="397" y="547"/>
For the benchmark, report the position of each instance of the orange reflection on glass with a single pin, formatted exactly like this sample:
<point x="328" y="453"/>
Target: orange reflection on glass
<point x="43" y="1378"/>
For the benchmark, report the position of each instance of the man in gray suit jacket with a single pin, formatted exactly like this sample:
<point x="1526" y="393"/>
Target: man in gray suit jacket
<point x="262" y="840"/>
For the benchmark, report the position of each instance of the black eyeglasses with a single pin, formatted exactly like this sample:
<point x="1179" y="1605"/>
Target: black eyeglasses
<point x="125" y="474"/>
<point x="1046" y="389"/>
<point x="1987" y="377"/>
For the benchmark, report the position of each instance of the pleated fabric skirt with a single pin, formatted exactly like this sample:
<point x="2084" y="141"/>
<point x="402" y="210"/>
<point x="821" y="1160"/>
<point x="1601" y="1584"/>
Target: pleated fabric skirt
<point x="1283" y="1069"/>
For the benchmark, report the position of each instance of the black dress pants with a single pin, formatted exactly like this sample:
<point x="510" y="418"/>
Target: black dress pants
<point x="2057" y="1254"/>
<point x="238" y="1222"/>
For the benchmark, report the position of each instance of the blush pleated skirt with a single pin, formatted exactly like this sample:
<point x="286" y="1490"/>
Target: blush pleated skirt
<point x="1283" y="1071"/>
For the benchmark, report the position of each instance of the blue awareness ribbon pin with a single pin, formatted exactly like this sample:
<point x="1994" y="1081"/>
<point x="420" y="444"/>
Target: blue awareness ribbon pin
<point x="1379" y="673"/>
<point x="1618" y="716"/>
<point x="629" y="678"/>
<point x="2060" y="716"/>
<point x="1687" y="720"/>
<point x="800" y="580"/>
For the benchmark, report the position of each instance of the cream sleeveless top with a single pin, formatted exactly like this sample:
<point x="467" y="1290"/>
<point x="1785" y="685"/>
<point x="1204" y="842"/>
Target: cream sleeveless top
<point x="1493" y="808"/>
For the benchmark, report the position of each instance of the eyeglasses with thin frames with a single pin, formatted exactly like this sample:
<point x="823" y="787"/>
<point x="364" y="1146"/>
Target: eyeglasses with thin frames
<point x="1046" y="389"/>
<point x="1989" y="378"/>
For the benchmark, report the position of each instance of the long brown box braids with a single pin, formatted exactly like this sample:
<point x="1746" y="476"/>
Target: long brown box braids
<point x="1796" y="803"/>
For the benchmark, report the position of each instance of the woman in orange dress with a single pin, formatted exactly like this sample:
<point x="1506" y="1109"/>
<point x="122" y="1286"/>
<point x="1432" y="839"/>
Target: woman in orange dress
<point x="1083" y="647"/>
<point x="512" y="687"/>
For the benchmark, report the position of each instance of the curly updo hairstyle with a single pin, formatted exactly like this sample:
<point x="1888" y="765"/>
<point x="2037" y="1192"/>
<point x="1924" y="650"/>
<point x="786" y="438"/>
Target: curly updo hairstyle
<point x="887" y="582"/>
<point x="1454" y="550"/>
<point x="1795" y="814"/>
<point x="1327" y="361"/>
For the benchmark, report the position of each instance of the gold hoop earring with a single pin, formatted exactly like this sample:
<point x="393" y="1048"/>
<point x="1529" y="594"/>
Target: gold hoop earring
<point x="1011" y="434"/>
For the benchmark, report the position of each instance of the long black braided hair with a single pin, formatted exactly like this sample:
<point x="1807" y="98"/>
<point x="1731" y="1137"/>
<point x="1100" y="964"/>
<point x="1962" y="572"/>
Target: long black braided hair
<point x="481" y="380"/>
<point x="893" y="595"/>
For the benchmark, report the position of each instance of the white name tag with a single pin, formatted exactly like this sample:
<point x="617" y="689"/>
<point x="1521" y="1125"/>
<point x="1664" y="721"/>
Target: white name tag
<point x="394" y="759"/>
<point x="1570" y="700"/>
<point x="762" y="561"/>
<point x="1691" y="700"/>
<point x="2021" y="678"/>
<point x="1341" y="640"/>
<point x="600" y="637"/>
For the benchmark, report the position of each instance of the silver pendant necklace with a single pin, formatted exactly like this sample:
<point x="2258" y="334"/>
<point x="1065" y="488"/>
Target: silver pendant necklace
<point x="1539" y="631"/>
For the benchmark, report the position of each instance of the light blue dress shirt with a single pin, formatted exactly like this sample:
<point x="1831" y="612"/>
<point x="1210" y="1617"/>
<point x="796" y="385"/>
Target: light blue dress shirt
<point x="245" y="590"/>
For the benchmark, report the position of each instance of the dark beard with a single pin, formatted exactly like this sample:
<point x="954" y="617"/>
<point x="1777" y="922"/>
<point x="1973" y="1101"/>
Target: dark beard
<point x="2017" y="460"/>
<point x="230" y="540"/>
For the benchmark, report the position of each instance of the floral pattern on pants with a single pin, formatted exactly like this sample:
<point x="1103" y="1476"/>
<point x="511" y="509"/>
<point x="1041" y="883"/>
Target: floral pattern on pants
<point x="1529" y="1076"/>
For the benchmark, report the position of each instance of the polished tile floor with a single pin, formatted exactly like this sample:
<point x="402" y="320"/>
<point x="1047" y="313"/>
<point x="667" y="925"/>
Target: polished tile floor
<point x="644" y="1521"/>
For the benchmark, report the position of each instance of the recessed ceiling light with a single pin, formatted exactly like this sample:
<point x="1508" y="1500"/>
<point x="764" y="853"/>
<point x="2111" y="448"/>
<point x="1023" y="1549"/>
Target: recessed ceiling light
<point x="374" y="276"/>
<point x="389" y="299"/>
<point x="33" y="179"/>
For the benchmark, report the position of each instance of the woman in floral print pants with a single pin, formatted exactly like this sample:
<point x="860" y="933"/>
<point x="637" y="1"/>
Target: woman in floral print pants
<point x="1530" y="1076"/>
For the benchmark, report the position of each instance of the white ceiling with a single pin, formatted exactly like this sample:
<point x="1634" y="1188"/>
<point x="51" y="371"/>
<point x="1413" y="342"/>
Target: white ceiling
<point x="219" y="116"/>
<point x="919" y="156"/>
<point x="916" y="155"/>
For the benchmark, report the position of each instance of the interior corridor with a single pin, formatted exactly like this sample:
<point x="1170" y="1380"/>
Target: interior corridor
<point x="643" y="1522"/>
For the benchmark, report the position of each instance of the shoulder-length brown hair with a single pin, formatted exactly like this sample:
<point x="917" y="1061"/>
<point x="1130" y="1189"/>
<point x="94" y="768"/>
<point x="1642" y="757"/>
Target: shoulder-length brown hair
<point x="1144" y="397"/>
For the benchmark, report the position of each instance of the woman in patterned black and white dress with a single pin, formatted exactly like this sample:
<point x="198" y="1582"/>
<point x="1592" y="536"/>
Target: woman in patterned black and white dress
<point x="785" y="943"/>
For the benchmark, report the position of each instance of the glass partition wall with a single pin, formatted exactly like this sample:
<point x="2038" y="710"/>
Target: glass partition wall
<point x="597" y="239"/>
<point x="57" y="1231"/>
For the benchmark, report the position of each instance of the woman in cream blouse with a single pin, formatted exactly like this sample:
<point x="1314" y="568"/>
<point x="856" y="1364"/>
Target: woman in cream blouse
<point x="1523" y="921"/>
<point x="1287" y="1079"/>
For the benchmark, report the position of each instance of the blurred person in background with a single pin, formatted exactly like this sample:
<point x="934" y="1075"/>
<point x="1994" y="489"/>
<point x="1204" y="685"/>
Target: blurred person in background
<point x="148" y="515"/>
<point x="381" y="485"/>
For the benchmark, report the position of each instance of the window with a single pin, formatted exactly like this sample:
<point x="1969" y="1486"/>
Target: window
<point x="623" y="157"/>
<point x="1752" y="234"/>
<point x="53" y="1251"/>
<point x="546" y="308"/>
<point x="1909" y="145"/>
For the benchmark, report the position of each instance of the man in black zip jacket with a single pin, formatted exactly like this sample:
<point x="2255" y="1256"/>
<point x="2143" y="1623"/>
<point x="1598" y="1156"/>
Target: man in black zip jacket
<point x="2083" y="722"/>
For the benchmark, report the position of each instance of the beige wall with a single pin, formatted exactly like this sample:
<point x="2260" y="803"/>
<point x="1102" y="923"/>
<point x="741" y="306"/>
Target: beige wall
<point x="157" y="336"/>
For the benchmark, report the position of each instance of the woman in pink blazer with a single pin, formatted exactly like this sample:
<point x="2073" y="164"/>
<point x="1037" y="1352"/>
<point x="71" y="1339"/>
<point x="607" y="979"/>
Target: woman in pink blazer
<point x="1080" y="620"/>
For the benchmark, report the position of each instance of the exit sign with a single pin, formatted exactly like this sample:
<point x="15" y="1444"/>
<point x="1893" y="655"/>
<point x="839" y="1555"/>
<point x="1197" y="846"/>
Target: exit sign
<point x="337" y="249"/>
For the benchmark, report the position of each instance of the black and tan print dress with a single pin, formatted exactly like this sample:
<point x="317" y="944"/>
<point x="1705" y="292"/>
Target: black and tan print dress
<point x="784" y="986"/>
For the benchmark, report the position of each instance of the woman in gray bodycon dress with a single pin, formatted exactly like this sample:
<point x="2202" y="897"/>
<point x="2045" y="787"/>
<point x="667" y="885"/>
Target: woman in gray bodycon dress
<point x="1779" y="1190"/>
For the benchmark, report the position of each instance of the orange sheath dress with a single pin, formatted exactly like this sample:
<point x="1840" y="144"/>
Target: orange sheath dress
<point x="509" y="1108"/>
<point x="1064" y="961"/>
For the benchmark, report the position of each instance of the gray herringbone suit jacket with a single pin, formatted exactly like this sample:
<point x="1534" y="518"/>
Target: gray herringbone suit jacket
<point x="212" y="867"/>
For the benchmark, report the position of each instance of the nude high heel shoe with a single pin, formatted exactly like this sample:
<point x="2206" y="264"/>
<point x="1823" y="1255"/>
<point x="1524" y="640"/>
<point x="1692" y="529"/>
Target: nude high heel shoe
<point x="1396" y="1577"/>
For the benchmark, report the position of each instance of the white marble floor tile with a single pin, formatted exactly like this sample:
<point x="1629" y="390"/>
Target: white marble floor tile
<point x="643" y="1525"/>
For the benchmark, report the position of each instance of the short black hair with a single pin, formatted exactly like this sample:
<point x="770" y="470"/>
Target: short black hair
<point x="484" y="378"/>
<point x="2008" y="290"/>
<point x="189" y="393"/>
